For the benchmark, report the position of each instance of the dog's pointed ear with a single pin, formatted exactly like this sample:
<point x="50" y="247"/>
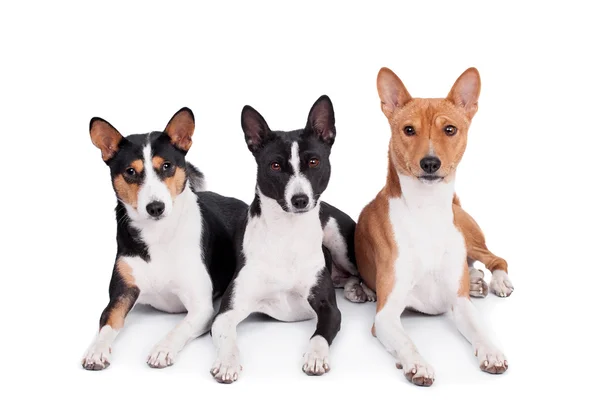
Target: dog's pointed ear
<point x="255" y="128"/>
<point x="105" y="137"/>
<point x="181" y="128"/>
<point x="465" y="92"/>
<point x="392" y="92"/>
<point x="321" y="120"/>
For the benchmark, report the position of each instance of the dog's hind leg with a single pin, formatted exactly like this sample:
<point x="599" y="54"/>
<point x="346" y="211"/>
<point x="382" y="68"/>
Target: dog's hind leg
<point x="344" y="272"/>
<point x="477" y="251"/>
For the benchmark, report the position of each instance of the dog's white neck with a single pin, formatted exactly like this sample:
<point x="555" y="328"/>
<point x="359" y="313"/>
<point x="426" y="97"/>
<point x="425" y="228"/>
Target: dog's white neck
<point x="423" y="195"/>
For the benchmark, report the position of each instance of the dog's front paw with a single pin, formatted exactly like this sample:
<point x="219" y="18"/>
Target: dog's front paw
<point x="491" y="360"/>
<point x="97" y="356"/>
<point x="161" y="356"/>
<point x="418" y="372"/>
<point x="226" y="369"/>
<point x="478" y="286"/>
<point x="500" y="284"/>
<point x="316" y="358"/>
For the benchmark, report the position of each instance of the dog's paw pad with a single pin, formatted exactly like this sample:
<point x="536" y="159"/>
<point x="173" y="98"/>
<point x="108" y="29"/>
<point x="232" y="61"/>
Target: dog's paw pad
<point x="226" y="370"/>
<point x="478" y="287"/>
<point x="97" y="357"/>
<point x="161" y="357"/>
<point x="500" y="285"/>
<point x="491" y="360"/>
<point x="418" y="372"/>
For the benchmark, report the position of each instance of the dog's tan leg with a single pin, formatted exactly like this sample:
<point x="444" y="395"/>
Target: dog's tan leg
<point x="477" y="250"/>
<point x="123" y="295"/>
<point x="464" y="313"/>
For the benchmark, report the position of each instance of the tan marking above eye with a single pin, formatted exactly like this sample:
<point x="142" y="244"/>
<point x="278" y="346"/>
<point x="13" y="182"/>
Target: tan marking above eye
<point x="157" y="162"/>
<point x="138" y="166"/>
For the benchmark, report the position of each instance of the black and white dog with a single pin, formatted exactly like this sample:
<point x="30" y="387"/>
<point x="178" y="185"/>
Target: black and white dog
<point x="175" y="242"/>
<point x="287" y="242"/>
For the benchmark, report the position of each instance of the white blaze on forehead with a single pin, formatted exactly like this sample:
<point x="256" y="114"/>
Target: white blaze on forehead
<point x="295" y="159"/>
<point x="298" y="184"/>
<point x="153" y="189"/>
<point x="431" y="149"/>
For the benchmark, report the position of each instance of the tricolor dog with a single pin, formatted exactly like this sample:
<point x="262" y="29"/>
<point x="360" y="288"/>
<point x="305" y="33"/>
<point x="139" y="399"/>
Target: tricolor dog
<point x="175" y="244"/>
<point x="288" y="241"/>
<point x="413" y="241"/>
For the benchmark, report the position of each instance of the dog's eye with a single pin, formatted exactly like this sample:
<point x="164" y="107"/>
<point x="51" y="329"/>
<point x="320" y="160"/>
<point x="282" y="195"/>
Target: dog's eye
<point x="313" y="162"/>
<point x="450" y="130"/>
<point x="130" y="171"/>
<point x="275" y="166"/>
<point x="166" y="166"/>
<point x="409" y="130"/>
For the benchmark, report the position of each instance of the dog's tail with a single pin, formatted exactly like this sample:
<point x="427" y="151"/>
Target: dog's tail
<point x="196" y="178"/>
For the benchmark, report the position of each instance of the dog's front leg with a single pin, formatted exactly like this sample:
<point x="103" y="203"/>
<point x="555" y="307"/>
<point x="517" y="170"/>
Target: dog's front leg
<point x="123" y="294"/>
<point x="323" y="302"/>
<point x="392" y="300"/>
<point x="197" y="322"/>
<point x="235" y="307"/>
<point x="491" y="359"/>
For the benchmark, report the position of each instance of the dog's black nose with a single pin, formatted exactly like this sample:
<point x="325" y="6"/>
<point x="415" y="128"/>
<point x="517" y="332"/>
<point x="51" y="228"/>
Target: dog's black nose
<point x="430" y="164"/>
<point x="300" y="201"/>
<point x="156" y="208"/>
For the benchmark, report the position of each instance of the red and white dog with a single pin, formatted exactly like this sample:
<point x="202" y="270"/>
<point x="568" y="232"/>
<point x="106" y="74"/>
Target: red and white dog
<point x="414" y="242"/>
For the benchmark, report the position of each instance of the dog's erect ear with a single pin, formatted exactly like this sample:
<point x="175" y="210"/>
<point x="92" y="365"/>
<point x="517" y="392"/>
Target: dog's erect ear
<point x="392" y="92"/>
<point x="181" y="128"/>
<point x="321" y="120"/>
<point x="465" y="92"/>
<point x="255" y="128"/>
<point x="105" y="137"/>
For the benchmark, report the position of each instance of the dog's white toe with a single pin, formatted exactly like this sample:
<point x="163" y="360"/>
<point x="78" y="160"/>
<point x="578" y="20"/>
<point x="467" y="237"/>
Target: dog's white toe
<point x="478" y="287"/>
<point x="500" y="285"/>
<point x="161" y="356"/>
<point x="316" y="358"/>
<point x="371" y="296"/>
<point x="418" y="372"/>
<point x="226" y="369"/>
<point x="97" y="356"/>
<point x="491" y="360"/>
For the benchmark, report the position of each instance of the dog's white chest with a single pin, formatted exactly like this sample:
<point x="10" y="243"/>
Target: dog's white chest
<point x="286" y="256"/>
<point x="175" y="273"/>
<point x="431" y="250"/>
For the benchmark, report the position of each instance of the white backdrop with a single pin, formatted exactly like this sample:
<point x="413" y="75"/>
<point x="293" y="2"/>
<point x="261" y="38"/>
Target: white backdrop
<point x="528" y="177"/>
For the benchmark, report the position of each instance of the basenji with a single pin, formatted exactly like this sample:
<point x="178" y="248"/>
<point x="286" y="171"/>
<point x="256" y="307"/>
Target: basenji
<point x="288" y="241"/>
<point x="175" y="245"/>
<point x="413" y="241"/>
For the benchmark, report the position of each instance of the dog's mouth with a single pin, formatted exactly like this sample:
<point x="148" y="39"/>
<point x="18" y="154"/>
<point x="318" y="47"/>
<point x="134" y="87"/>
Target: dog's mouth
<point x="431" y="178"/>
<point x="301" y="211"/>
